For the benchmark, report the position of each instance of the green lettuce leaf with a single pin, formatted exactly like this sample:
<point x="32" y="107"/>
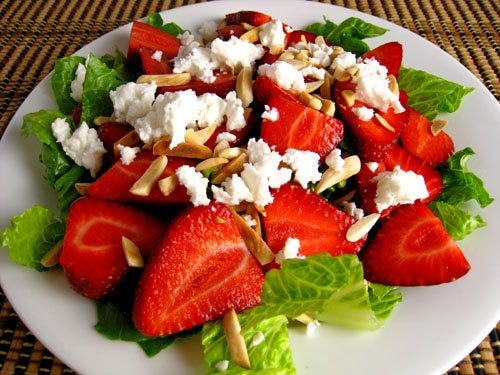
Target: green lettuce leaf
<point x="31" y="235"/>
<point x="457" y="222"/>
<point x="60" y="171"/>
<point x="155" y="19"/>
<point x="64" y="74"/>
<point x="272" y="356"/>
<point x="117" y="62"/>
<point x="430" y="94"/>
<point x="348" y="34"/>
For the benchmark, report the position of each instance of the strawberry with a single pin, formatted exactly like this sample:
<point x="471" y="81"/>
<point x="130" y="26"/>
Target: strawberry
<point x="116" y="182"/>
<point x="151" y="65"/>
<point x="412" y="248"/>
<point x="419" y="140"/>
<point x="109" y="133"/>
<point x="264" y="88"/>
<point x="92" y="257"/>
<point x="319" y="226"/>
<point x="301" y="127"/>
<point x="247" y="16"/>
<point x="144" y="35"/>
<point x="372" y="138"/>
<point x="223" y="84"/>
<point x="241" y="135"/>
<point x="201" y="269"/>
<point x="389" y="54"/>
<point x="296" y="36"/>
<point x="228" y="31"/>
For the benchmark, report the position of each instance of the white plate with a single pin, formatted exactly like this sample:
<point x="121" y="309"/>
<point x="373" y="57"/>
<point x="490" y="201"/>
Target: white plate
<point x="434" y="327"/>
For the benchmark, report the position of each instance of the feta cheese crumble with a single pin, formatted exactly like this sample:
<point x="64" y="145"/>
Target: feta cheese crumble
<point x="77" y="83"/>
<point x="305" y="165"/>
<point x="363" y="113"/>
<point x="289" y="251"/>
<point x="232" y="192"/>
<point x="284" y="74"/>
<point x="334" y="160"/>
<point x="132" y="101"/>
<point x="372" y="166"/>
<point x="128" y="154"/>
<point x="270" y="114"/>
<point x="196" y="185"/>
<point x="312" y="327"/>
<point x="398" y="187"/>
<point x="157" y="55"/>
<point x="225" y="136"/>
<point x="350" y="209"/>
<point x="235" y="53"/>
<point x="272" y="35"/>
<point x="257" y="339"/>
<point x="222" y="365"/>
<point x="83" y="146"/>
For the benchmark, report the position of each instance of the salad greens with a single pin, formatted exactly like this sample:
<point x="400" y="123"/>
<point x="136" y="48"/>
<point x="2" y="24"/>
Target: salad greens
<point x="64" y="74"/>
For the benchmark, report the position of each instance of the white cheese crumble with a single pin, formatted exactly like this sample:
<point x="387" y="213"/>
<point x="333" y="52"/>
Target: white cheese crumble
<point x="398" y="187"/>
<point x="194" y="59"/>
<point x="132" y="101"/>
<point x="305" y="165"/>
<point x="284" y="74"/>
<point x="270" y="114"/>
<point x="363" y="113"/>
<point x="312" y="71"/>
<point x="350" y="209"/>
<point x="334" y="160"/>
<point x="272" y="34"/>
<point x="235" y="113"/>
<point x="319" y="54"/>
<point x="157" y="55"/>
<point x="235" y="53"/>
<point x="289" y="251"/>
<point x="232" y="192"/>
<point x="83" y="146"/>
<point x="372" y="166"/>
<point x="196" y="185"/>
<point x="225" y="136"/>
<point x="128" y="154"/>
<point x="257" y="339"/>
<point x="222" y="365"/>
<point x="77" y="83"/>
<point x="312" y="327"/>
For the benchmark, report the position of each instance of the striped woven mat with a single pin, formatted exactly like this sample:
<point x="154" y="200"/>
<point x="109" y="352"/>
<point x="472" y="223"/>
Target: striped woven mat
<point x="35" y="33"/>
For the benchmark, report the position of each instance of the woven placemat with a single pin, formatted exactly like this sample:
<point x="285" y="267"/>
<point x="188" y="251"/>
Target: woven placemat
<point x="35" y="33"/>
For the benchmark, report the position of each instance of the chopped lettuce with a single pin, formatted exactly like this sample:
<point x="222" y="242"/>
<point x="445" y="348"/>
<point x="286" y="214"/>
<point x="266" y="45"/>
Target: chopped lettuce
<point x="60" y="171"/>
<point x="271" y="356"/>
<point x="32" y="235"/>
<point x="117" y="62"/>
<point x="348" y="34"/>
<point x="64" y="74"/>
<point x="430" y="94"/>
<point x="155" y="19"/>
<point x="457" y="222"/>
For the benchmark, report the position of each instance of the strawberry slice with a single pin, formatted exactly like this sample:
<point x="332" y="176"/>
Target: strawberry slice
<point x="151" y="65"/>
<point x="247" y="16"/>
<point x="116" y="182"/>
<point x="389" y="54"/>
<point x="92" y="258"/>
<point x="264" y="88"/>
<point x="109" y="133"/>
<point x="318" y="225"/>
<point x="412" y="248"/>
<point x="223" y="84"/>
<point x="144" y="35"/>
<point x="419" y="140"/>
<point x="296" y="36"/>
<point x="228" y="31"/>
<point x="301" y="127"/>
<point x="201" y="269"/>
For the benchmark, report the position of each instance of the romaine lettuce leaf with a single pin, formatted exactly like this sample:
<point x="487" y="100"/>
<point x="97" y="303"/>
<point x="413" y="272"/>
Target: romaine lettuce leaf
<point x="64" y="74"/>
<point x="155" y="19"/>
<point x="348" y="34"/>
<point x="272" y="356"/>
<point x="430" y="94"/>
<point x="31" y="235"/>
<point x="457" y="222"/>
<point x="117" y="62"/>
<point x="60" y="171"/>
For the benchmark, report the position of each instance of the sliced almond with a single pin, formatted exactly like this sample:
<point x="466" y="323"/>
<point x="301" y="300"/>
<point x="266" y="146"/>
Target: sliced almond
<point x="341" y="75"/>
<point x="352" y="70"/>
<point x="51" y="258"/>
<point x="130" y="139"/>
<point x="99" y="120"/>
<point x="211" y="163"/>
<point x="310" y="100"/>
<point x="219" y="147"/>
<point x="253" y="240"/>
<point x="286" y="56"/>
<point x="352" y="165"/>
<point x="384" y="122"/>
<point x="276" y="49"/>
<point x="361" y="227"/>
<point x="438" y="125"/>
<point x="313" y="85"/>
<point x="201" y="136"/>
<point x="298" y="64"/>
<point x="328" y="107"/>
<point x="336" y="50"/>
<point x="247" y="26"/>
<point x="326" y="88"/>
<point x="234" y="166"/>
<point x="393" y="84"/>
<point x="183" y="150"/>
<point x="320" y="40"/>
<point x="173" y="79"/>
<point x="302" y="55"/>
<point x="231" y="152"/>
<point x="168" y="184"/>
<point x="146" y="182"/>
<point x="251" y="36"/>
<point x="235" y="341"/>
<point x="244" y="86"/>
<point x="304" y="319"/>
<point x="82" y="187"/>
<point x="132" y="253"/>
<point x="254" y="214"/>
<point x="349" y="96"/>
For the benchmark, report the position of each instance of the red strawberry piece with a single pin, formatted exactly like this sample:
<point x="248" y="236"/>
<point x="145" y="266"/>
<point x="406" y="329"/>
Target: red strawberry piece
<point x="389" y="54"/>
<point x="319" y="226"/>
<point x="296" y="36"/>
<point x="247" y="16"/>
<point x="109" y="133"/>
<point x="116" y="182"/>
<point x="367" y="188"/>
<point x="301" y="127"/>
<point x="372" y="138"/>
<point x="201" y="269"/>
<point x="241" y="135"/>
<point x="228" y="31"/>
<point x="76" y="113"/>
<point x="92" y="258"/>
<point x="411" y="248"/>
<point x="264" y="87"/>
<point x="223" y="84"/>
<point x="268" y="58"/>
<point x="144" y="35"/>
<point x="419" y="140"/>
<point x="151" y="65"/>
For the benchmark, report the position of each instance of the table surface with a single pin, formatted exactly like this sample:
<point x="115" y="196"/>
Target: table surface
<point x="35" y="33"/>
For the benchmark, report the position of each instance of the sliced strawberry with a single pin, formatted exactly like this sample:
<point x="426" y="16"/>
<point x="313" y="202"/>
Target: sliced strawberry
<point x="264" y="88"/>
<point x="419" y="140"/>
<point x="367" y="188"/>
<point x="301" y="127"/>
<point x="76" y="113"/>
<point x="247" y="16"/>
<point x="228" y="31"/>
<point x="109" y="133"/>
<point x="116" y="182"/>
<point x="144" y="35"/>
<point x="412" y="248"/>
<point x="151" y="65"/>
<point x="372" y="138"/>
<point x="268" y="58"/>
<point x="223" y="84"/>
<point x="297" y="36"/>
<point x="389" y="54"/>
<point x="201" y="269"/>
<point x="318" y="225"/>
<point x="92" y="257"/>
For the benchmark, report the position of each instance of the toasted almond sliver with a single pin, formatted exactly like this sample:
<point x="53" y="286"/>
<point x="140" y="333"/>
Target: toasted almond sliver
<point x="247" y="26"/>
<point x="146" y="182"/>
<point x="132" y="253"/>
<point x="286" y="56"/>
<point x="253" y="240"/>
<point x="302" y="55"/>
<point x="183" y="150"/>
<point x="235" y="341"/>
<point x="201" y="136"/>
<point x="330" y="177"/>
<point x="352" y="70"/>
<point x="99" y="120"/>
<point x="244" y="86"/>
<point x="337" y="50"/>
<point x="438" y="125"/>
<point x="251" y="36"/>
<point x="313" y="85"/>
<point x="384" y="122"/>
<point x="328" y="107"/>
<point x="276" y="49"/>
<point x="234" y="166"/>
<point x="82" y="187"/>
<point x="173" y="79"/>
<point x="393" y="84"/>
<point x="341" y="75"/>
<point x="211" y="163"/>
<point x="361" y="227"/>
<point x="326" y="88"/>
<point x="310" y="100"/>
<point x="231" y="152"/>
<point x="168" y="184"/>
<point x="349" y="96"/>
<point x="51" y="258"/>
<point x="130" y="139"/>
<point x="298" y="64"/>
<point x="219" y="147"/>
<point x="252" y="211"/>
<point x="304" y="319"/>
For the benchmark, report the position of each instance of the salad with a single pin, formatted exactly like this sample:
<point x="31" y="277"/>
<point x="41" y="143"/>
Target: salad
<point x="306" y="211"/>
